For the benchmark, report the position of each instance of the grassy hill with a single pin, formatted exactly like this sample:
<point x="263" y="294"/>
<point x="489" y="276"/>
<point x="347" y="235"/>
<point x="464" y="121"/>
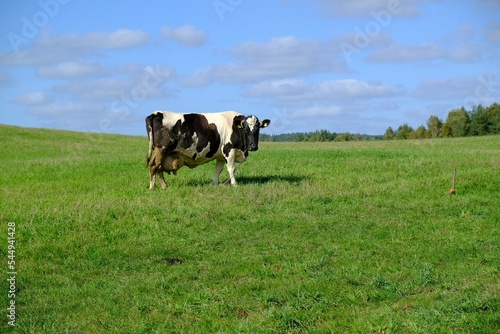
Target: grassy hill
<point x="354" y="237"/>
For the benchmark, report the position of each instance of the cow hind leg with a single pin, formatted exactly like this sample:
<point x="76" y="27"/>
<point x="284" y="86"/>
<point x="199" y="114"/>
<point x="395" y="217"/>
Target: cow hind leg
<point x="155" y="162"/>
<point x="161" y="175"/>
<point x="218" y="169"/>
<point x="152" y="175"/>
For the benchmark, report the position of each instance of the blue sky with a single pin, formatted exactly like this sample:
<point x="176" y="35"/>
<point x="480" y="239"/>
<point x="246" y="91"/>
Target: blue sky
<point x="357" y="66"/>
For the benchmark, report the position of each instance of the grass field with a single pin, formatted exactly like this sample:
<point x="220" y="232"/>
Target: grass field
<point x="354" y="237"/>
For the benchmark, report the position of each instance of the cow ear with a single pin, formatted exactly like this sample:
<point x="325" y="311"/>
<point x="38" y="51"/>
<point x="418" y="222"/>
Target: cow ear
<point x="239" y="123"/>
<point x="265" y="123"/>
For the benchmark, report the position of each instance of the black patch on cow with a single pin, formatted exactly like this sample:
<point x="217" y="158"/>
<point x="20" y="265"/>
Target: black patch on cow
<point x="155" y="121"/>
<point x="177" y="127"/>
<point x="253" y="134"/>
<point x="205" y="132"/>
<point x="159" y="140"/>
<point x="238" y="136"/>
<point x="226" y="149"/>
<point x="149" y="123"/>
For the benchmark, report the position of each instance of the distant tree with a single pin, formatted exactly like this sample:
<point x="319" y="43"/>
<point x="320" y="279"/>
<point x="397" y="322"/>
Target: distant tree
<point x="479" y="121"/>
<point x="420" y="133"/>
<point x="389" y="134"/>
<point x="343" y="137"/>
<point x="494" y="116"/>
<point x="325" y="135"/>
<point x="457" y="123"/>
<point x="404" y="132"/>
<point x="265" y="137"/>
<point x="446" y="131"/>
<point x="434" y="124"/>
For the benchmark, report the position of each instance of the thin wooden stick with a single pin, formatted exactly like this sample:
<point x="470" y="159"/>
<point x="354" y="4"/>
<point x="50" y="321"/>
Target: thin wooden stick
<point x="452" y="190"/>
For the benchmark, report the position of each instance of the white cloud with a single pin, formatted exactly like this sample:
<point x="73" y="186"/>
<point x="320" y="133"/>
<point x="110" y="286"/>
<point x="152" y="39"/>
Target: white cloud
<point x="142" y="83"/>
<point x="459" y="45"/>
<point x="317" y="111"/>
<point x="5" y="78"/>
<point x="278" y="88"/>
<point x="444" y="88"/>
<point x="49" y="49"/>
<point x="366" y="8"/>
<point x="288" y="54"/>
<point x="201" y="77"/>
<point x="487" y="5"/>
<point x="492" y="32"/>
<point x="72" y="69"/>
<point x="78" y="116"/>
<point x="467" y="52"/>
<point x="408" y="53"/>
<point x="462" y="33"/>
<point x="30" y="99"/>
<point x="403" y="53"/>
<point x="359" y="38"/>
<point x="351" y="88"/>
<point x="186" y="35"/>
<point x="116" y="40"/>
<point x="464" y="89"/>
<point x="278" y="58"/>
<point x="94" y="89"/>
<point x="83" y="103"/>
<point x="299" y="91"/>
<point x="66" y="109"/>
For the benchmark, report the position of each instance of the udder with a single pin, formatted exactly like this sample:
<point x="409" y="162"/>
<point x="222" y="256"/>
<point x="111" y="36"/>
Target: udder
<point x="172" y="163"/>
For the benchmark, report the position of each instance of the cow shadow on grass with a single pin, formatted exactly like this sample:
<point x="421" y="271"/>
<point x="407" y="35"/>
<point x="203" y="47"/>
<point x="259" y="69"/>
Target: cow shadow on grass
<point x="261" y="179"/>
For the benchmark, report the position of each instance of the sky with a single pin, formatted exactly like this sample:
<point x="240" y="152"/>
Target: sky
<point x="355" y="66"/>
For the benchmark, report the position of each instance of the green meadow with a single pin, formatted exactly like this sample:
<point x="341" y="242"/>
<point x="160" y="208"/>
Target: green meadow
<point x="350" y="237"/>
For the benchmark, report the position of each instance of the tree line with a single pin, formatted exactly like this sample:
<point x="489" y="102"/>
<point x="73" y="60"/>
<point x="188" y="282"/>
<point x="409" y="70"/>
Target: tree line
<point x="479" y="121"/>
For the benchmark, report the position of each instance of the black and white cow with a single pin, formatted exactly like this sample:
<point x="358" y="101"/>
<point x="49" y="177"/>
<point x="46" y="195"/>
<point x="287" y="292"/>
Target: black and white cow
<point x="176" y="140"/>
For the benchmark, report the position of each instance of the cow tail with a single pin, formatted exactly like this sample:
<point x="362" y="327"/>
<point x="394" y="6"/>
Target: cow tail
<point x="149" y="129"/>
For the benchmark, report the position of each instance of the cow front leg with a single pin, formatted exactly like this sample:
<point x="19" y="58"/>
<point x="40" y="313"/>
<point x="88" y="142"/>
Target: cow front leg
<point x="218" y="169"/>
<point x="230" y="166"/>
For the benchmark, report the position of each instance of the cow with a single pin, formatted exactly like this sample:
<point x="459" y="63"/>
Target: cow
<point x="177" y="140"/>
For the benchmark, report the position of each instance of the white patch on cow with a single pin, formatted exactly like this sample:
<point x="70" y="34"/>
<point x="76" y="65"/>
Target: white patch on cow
<point x="223" y="121"/>
<point x="170" y="118"/>
<point x="195" y="141"/>
<point x="200" y="156"/>
<point x="252" y="122"/>
<point x="204" y="152"/>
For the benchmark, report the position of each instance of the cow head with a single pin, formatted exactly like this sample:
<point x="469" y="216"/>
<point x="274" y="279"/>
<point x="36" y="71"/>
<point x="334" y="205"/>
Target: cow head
<point x="251" y="127"/>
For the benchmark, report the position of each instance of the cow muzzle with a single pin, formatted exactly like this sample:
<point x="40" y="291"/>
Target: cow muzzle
<point x="253" y="148"/>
